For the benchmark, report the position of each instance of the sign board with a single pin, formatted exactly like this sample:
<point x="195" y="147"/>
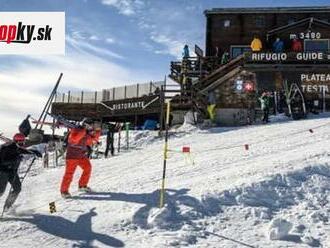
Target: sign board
<point x="133" y="105"/>
<point x="315" y="83"/>
<point x="282" y="57"/>
<point x="199" y="52"/>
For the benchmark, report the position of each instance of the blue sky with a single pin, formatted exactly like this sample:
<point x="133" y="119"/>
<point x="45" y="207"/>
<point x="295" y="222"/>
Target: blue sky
<point x="108" y="43"/>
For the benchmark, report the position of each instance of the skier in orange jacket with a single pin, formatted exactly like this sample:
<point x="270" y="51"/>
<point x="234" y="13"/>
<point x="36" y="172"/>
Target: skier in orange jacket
<point x="79" y="142"/>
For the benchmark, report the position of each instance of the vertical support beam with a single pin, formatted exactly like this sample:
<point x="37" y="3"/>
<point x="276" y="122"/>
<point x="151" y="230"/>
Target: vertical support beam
<point x="82" y="97"/>
<point x="136" y="120"/>
<point x="125" y="92"/>
<point x="323" y="96"/>
<point x="95" y="97"/>
<point x="137" y="90"/>
<point x="113" y="93"/>
<point x="69" y="95"/>
<point x="150" y="87"/>
<point x="127" y="134"/>
<point x="63" y="97"/>
<point x="119" y="137"/>
<point x="276" y="102"/>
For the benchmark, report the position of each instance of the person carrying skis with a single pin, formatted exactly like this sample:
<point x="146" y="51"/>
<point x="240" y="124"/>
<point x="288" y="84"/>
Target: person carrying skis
<point x="10" y="159"/>
<point x="264" y="102"/>
<point x="79" y="142"/>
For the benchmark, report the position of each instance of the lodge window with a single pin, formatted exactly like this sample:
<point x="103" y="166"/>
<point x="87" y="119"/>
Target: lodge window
<point x="226" y="23"/>
<point x="235" y="51"/>
<point x="321" y="45"/>
<point x="260" y="21"/>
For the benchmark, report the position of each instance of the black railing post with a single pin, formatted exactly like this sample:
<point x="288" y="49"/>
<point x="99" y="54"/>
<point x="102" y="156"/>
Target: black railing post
<point x="82" y="97"/>
<point x="69" y="95"/>
<point x="137" y="90"/>
<point x="95" y="97"/>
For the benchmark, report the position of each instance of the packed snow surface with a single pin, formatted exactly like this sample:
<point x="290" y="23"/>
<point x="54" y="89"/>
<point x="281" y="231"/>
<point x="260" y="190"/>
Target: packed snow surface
<point x="254" y="186"/>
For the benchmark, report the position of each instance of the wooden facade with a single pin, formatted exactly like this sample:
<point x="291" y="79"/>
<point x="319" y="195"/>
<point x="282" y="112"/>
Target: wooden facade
<point x="230" y="28"/>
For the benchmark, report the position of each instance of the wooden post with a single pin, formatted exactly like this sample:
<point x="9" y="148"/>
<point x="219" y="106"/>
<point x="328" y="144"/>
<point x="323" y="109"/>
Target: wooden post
<point x="275" y="102"/>
<point x="127" y="134"/>
<point x="82" y="97"/>
<point x="323" y="95"/>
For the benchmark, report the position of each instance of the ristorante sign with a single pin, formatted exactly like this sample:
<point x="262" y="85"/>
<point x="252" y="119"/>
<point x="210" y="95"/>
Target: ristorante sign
<point x="128" y="105"/>
<point x="282" y="57"/>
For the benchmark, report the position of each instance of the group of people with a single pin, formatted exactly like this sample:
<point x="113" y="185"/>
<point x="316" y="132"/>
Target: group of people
<point x="278" y="45"/>
<point x="80" y="140"/>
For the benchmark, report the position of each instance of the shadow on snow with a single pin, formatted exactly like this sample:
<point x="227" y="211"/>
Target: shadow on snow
<point x="80" y="230"/>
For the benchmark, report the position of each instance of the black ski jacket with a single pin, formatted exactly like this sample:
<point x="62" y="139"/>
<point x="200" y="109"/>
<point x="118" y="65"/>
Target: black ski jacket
<point x="11" y="156"/>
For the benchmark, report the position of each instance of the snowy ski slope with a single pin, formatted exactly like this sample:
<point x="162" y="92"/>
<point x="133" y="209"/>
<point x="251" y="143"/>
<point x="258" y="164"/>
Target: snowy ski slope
<point x="275" y="194"/>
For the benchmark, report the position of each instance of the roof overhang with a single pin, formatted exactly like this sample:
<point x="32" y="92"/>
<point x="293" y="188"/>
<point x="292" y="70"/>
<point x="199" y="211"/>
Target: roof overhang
<point x="273" y="10"/>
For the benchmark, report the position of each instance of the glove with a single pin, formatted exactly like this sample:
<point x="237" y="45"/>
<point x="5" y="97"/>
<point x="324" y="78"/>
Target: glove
<point x="37" y="153"/>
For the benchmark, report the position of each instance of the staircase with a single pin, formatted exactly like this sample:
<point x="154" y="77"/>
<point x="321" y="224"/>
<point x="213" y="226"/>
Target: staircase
<point x="222" y="74"/>
<point x="192" y="95"/>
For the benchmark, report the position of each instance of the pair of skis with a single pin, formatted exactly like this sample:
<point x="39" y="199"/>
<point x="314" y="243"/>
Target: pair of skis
<point x="63" y="121"/>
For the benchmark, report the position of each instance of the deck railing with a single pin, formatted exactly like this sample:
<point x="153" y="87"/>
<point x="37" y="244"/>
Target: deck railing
<point x="116" y="93"/>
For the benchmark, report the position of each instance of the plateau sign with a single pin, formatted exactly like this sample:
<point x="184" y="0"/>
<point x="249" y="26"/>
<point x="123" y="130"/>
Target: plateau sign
<point x="315" y="83"/>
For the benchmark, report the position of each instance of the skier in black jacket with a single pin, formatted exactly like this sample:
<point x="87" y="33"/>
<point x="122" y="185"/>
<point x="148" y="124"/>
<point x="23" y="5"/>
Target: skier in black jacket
<point x="10" y="159"/>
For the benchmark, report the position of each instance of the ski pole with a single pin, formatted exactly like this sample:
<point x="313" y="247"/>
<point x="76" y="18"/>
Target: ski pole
<point x="27" y="171"/>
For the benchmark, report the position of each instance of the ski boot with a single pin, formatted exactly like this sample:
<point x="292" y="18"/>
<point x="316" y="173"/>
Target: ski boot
<point x="85" y="189"/>
<point x="65" y="195"/>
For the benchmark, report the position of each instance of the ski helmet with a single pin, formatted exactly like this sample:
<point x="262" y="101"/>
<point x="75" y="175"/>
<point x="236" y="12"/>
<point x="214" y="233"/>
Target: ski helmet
<point x="19" y="138"/>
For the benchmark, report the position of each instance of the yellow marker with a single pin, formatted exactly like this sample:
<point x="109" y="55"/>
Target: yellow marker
<point x="52" y="207"/>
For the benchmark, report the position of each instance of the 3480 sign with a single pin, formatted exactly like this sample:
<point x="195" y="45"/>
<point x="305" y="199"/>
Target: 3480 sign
<point x="307" y="35"/>
<point x="310" y="35"/>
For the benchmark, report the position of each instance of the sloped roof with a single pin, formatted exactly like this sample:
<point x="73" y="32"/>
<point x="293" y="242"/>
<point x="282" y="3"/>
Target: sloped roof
<point x="314" y="9"/>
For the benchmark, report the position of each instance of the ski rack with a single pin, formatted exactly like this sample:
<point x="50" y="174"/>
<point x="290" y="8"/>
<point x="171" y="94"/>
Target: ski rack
<point x="294" y="89"/>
